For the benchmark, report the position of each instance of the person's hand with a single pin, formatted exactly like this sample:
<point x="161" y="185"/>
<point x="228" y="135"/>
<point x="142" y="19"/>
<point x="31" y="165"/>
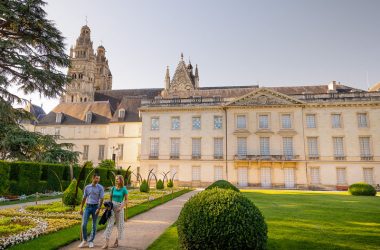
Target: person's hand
<point x="97" y="211"/>
<point x="81" y="211"/>
<point x="118" y="209"/>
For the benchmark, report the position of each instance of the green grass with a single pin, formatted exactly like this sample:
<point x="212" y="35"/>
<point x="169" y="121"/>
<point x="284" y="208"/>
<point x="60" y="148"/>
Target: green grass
<point x="310" y="220"/>
<point x="68" y="235"/>
<point x="29" y="199"/>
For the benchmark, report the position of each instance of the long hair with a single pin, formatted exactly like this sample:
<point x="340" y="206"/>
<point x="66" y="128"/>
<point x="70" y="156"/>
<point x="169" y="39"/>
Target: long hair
<point x="121" y="180"/>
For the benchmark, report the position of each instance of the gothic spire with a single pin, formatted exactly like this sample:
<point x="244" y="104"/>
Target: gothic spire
<point x="167" y="78"/>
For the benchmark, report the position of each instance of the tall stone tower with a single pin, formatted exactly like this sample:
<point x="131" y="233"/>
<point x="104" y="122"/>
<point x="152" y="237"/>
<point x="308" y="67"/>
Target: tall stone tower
<point x="89" y="71"/>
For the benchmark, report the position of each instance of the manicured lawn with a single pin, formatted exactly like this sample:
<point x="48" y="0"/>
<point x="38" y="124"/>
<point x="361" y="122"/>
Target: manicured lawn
<point x="29" y="199"/>
<point x="310" y="220"/>
<point x="68" y="235"/>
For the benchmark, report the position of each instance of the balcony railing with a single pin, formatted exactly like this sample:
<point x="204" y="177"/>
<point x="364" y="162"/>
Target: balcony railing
<point x="366" y="158"/>
<point x="196" y="157"/>
<point x="340" y="158"/>
<point x="174" y="157"/>
<point x="313" y="157"/>
<point x="267" y="157"/>
<point x="218" y="157"/>
<point x="153" y="157"/>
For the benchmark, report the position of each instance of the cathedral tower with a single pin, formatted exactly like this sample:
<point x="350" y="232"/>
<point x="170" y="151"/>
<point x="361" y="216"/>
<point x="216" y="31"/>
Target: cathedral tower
<point x="89" y="71"/>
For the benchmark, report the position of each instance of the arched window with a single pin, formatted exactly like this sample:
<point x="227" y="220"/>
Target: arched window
<point x="80" y="76"/>
<point x="85" y="99"/>
<point x="74" y="76"/>
<point x="121" y="113"/>
<point x="81" y="99"/>
<point x="89" y="117"/>
<point x="72" y="98"/>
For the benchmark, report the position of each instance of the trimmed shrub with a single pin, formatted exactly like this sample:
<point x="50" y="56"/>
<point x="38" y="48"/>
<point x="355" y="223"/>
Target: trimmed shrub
<point x="160" y="184"/>
<point x="4" y="177"/>
<point x="363" y="189"/>
<point x="221" y="219"/>
<point x="224" y="185"/>
<point x="29" y="174"/>
<point x="69" y="198"/>
<point x="144" y="187"/>
<point x="42" y="186"/>
<point x="110" y="164"/>
<point x="170" y="183"/>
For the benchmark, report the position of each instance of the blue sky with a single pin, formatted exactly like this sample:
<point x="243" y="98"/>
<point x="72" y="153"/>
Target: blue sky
<point x="270" y="43"/>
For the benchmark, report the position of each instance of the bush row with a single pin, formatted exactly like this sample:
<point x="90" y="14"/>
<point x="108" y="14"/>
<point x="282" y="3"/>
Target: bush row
<point x="31" y="177"/>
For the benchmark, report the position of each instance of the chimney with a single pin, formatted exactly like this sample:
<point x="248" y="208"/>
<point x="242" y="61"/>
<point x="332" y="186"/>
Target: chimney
<point x="331" y="87"/>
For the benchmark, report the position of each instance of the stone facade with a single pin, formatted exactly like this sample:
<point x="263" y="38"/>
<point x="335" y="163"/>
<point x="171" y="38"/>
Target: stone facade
<point x="320" y="137"/>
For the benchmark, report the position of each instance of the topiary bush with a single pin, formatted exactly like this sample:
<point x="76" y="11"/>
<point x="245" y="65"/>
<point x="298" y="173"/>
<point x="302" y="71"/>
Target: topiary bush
<point x="144" y="187"/>
<point x="362" y="189"/>
<point x="4" y="177"/>
<point x="160" y="184"/>
<point x="69" y="195"/>
<point x="170" y="183"/>
<point x="224" y="185"/>
<point x="221" y="219"/>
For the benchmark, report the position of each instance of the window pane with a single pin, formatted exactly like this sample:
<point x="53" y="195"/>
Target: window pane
<point x="338" y="146"/>
<point x="196" y="123"/>
<point x="155" y="124"/>
<point x="310" y="121"/>
<point x="336" y="121"/>
<point x="315" y="179"/>
<point x="174" y="149"/>
<point x="196" y="147"/>
<point x="196" y="173"/>
<point x="362" y="120"/>
<point x="266" y="180"/>
<point x="264" y="146"/>
<point x="85" y="152"/>
<point x="241" y="121"/>
<point x="368" y="175"/>
<point x="242" y="146"/>
<point x="263" y="121"/>
<point x="287" y="143"/>
<point x="175" y="123"/>
<point x="154" y="146"/>
<point x="101" y="152"/>
<point x="218" y="122"/>
<point x="218" y="173"/>
<point x="365" y="149"/>
<point x="286" y="121"/>
<point x="341" y="176"/>
<point x="312" y="143"/>
<point x="218" y="147"/>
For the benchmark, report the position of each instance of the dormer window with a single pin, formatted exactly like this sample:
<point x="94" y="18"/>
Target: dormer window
<point x="89" y="117"/>
<point x="121" y="113"/>
<point x="58" y="117"/>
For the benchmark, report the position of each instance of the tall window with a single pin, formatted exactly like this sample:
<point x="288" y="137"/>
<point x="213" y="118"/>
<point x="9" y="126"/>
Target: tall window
<point x="264" y="146"/>
<point x="196" y="122"/>
<point x="312" y="144"/>
<point x="310" y="121"/>
<point x="155" y="123"/>
<point x="101" y="152"/>
<point x="196" y="173"/>
<point x="341" y="176"/>
<point x="121" y="130"/>
<point x="242" y="146"/>
<point x="218" y="122"/>
<point x="336" y="121"/>
<point x="218" y="148"/>
<point x="218" y="173"/>
<point x="287" y="145"/>
<point x="365" y="148"/>
<point x="241" y="121"/>
<point x="338" y="148"/>
<point x="286" y="121"/>
<point x="58" y="117"/>
<point x="85" y="152"/>
<point x="368" y="175"/>
<point x="196" y="148"/>
<point x="174" y="148"/>
<point x="120" y="151"/>
<point x="263" y="121"/>
<point x="176" y="124"/>
<point x="266" y="178"/>
<point x="154" y="147"/>
<point x="314" y="174"/>
<point x="362" y="120"/>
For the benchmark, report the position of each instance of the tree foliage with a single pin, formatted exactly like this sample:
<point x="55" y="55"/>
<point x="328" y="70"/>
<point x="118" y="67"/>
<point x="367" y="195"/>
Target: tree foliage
<point x="107" y="164"/>
<point x="32" y="51"/>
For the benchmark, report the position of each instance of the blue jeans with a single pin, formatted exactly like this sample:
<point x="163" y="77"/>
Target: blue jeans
<point x="90" y="210"/>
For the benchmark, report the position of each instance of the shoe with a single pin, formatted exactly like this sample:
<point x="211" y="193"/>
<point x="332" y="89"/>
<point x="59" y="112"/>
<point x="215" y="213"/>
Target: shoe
<point x="82" y="244"/>
<point x="105" y="246"/>
<point x="115" y="245"/>
<point x="91" y="244"/>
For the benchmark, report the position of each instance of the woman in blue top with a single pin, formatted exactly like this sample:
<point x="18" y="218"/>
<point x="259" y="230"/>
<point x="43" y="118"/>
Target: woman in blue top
<point x="119" y="198"/>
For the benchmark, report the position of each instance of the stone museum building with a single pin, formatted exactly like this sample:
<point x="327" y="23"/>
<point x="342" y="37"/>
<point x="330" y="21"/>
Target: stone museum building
<point x="317" y="136"/>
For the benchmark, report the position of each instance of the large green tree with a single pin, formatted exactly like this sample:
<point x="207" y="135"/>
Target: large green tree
<point x="32" y="52"/>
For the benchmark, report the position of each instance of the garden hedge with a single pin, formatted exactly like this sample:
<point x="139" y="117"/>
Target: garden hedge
<point x="363" y="189"/>
<point x="30" y="177"/>
<point x="224" y="185"/>
<point x="221" y="219"/>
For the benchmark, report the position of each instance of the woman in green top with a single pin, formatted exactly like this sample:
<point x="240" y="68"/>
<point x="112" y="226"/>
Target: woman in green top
<point x="119" y="198"/>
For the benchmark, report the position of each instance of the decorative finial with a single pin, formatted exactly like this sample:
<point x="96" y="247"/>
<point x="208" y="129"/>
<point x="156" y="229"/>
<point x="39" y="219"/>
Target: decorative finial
<point x="181" y="56"/>
<point x="86" y="20"/>
<point x="189" y="60"/>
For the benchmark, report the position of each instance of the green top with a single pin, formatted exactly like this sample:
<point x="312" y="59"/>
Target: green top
<point x="118" y="194"/>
